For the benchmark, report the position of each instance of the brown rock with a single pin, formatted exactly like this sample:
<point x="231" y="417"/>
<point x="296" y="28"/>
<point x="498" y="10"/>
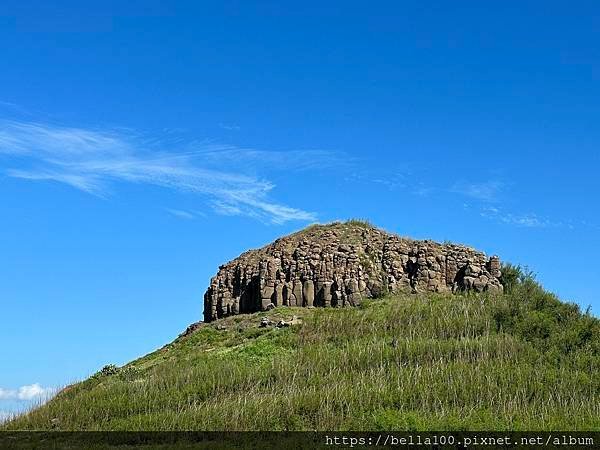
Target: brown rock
<point x="338" y="265"/>
<point x="298" y="292"/>
<point x="308" y="293"/>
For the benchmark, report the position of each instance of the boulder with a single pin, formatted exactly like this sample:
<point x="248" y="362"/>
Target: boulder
<point x="282" y="324"/>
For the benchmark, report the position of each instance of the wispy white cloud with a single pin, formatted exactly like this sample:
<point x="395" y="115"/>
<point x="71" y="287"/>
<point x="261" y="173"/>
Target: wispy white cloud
<point x="395" y="177"/>
<point x="26" y="393"/>
<point x="390" y="183"/>
<point x="528" y="220"/>
<point x="9" y="104"/>
<point x="297" y="160"/>
<point x="422" y="190"/>
<point x="181" y="213"/>
<point x="88" y="182"/>
<point x="226" y="209"/>
<point x="586" y="224"/>
<point x="486" y="191"/>
<point x="93" y="160"/>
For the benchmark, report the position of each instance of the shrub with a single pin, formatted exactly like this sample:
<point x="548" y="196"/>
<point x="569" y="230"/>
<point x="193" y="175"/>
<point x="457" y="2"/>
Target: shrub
<point x="109" y="369"/>
<point x="128" y="373"/>
<point x="513" y="275"/>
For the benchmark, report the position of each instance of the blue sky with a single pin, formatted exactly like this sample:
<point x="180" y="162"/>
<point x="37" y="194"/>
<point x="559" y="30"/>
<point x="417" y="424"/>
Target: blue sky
<point x="142" y="144"/>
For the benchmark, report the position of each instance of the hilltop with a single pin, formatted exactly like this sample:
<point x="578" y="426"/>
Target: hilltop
<point x="515" y="358"/>
<point x="341" y="263"/>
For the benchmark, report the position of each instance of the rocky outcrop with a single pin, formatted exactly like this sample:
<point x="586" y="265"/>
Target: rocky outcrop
<point x="339" y="265"/>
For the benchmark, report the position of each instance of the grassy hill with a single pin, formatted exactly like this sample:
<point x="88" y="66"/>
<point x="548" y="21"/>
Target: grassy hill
<point x="521" y="360"/>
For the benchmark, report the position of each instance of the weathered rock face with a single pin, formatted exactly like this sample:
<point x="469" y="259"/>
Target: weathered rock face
<point x="339" y="265"/>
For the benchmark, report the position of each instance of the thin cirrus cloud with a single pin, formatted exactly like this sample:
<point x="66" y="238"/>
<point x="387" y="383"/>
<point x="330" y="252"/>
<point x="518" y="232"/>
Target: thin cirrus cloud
<point x="180" y="213"/>
<point x="488" y="195"/>
<point x="94" y="160"/>
<point x="521" y="220"/>
<point x="486" y="191"/>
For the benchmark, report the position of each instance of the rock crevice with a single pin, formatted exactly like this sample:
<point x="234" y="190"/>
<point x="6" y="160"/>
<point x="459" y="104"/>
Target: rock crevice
<point x="340" y="264"/>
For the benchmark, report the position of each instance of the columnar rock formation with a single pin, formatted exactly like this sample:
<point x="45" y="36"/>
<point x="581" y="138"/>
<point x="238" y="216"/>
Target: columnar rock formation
<point x="339" y="265"/>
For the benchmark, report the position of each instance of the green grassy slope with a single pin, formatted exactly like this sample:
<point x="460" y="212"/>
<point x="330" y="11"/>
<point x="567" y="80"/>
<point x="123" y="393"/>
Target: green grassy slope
<point x="522" y="360"/>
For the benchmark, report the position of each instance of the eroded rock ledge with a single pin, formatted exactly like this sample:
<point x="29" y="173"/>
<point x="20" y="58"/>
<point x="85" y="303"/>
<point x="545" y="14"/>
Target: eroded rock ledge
<point x="339" y="265"/>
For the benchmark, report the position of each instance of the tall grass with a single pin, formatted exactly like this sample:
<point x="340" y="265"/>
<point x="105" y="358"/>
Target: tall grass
<point x="522" y="360"/>
<point x="361" y="223"/>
